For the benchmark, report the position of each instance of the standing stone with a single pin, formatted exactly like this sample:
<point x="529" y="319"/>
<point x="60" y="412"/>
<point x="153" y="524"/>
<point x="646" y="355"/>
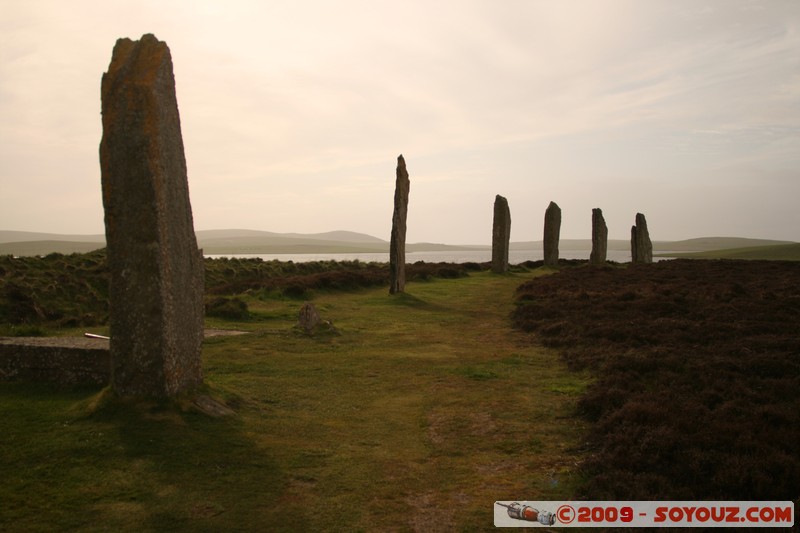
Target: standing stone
<point x="599" y="238"/>
<point x="501" y="235"/>
<point x="156" y="289"/>
<point x="309" y="317"/>
<point x="552" y="230"/>
<point x="641" y="247"/>
<point x="397" y="245"/>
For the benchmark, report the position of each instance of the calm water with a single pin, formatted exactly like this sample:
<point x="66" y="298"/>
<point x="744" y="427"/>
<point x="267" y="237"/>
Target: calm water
<point x="479" y="256"/>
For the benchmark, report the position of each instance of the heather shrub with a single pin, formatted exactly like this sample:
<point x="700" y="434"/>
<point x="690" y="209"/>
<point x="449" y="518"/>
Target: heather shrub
<point x="697" y="365"/>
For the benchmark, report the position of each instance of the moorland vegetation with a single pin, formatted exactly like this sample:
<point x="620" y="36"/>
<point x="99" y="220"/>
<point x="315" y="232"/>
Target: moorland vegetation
<point x="678" y="380"/>
<point x="57" y="291"/>
<point x="697" y="367"/>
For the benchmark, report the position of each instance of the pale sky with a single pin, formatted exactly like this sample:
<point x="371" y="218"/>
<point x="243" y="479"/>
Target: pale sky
<point x="294" y="112"/>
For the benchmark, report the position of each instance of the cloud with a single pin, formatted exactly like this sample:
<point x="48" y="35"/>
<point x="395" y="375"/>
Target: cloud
<point x="287" y="105"/>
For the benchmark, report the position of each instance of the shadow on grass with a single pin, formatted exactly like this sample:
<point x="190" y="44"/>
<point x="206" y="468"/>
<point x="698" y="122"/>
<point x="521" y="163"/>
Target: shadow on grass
<point x="219" y="477"/>
<point x="95" y="462"/>
<point x="409" y="300"/>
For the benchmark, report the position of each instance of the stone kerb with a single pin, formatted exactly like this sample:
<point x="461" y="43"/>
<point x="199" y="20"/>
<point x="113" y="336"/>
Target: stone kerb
<point x="60" y="360"/>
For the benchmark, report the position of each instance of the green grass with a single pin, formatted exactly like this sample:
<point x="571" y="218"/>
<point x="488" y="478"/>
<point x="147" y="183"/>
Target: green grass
<point x="426" y="409"/>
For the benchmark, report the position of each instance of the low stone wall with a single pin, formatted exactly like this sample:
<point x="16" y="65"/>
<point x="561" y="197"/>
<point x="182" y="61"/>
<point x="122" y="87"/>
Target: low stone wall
<point x="61" y="360"/>
<point x="64" y="360"/>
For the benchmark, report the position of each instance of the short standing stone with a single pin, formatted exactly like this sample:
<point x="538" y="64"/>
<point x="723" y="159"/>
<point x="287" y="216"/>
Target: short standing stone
<point x="397" y="245"/>
<point x="309" y="317"/>
<point x="156" y="270"/>
<point x="501" y="235"/>
<point x="599" y="238"/>
<point x="552" y="231"/>
<point x="641" y="246"/>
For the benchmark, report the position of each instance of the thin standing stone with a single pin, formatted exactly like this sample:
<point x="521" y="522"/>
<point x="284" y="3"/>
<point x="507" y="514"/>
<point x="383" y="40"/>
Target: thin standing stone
<point x="501" y="235"/>
<point x="599" y="238"/>
<point x="641" y="246"/>
<point x="397" y="245"/>
<point x="552" y="231"/>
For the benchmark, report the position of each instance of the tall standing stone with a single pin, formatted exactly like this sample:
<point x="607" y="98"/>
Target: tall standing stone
<point x="599" y="238"/>
<point x="397" y="245"/>
<point x="501" y="235"/>
<point x="641" y="247"/>
<point x="156" y="290"/>
<point x="552" y="231"/>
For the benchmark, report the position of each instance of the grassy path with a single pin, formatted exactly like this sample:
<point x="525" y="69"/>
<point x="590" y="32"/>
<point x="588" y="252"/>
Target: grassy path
<point x="424" y="411"/>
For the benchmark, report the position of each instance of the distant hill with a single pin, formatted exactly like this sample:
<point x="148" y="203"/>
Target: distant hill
<point x="784" y="252"/>
<point x="268" y="236"/>
<point x="265" y="242"/>
<point x="31" y="236"/>
<point x="343" y="236"/>
<point x="689" y="245"/>
<point x="226" y="241"/>
<point x="46" y="247"/>
<point x="243" y="241"/>
<point x="702" y="244"/>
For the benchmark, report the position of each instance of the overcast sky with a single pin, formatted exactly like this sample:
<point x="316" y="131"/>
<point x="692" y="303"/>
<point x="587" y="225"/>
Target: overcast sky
<point x="294" y="112"/>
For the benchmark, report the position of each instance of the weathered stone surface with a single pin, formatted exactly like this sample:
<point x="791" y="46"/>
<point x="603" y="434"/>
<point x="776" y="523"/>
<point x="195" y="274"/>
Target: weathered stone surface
<point x="641" y="247"/>
<point x="552" y="231"/>
<point x="599" y="238"/>
<point x="156" y="291"/>
<point x="309" y="317"/>
<point x="397" y="245"/>
<point x="311" y="324"/>
<point x="501" y="235"/>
